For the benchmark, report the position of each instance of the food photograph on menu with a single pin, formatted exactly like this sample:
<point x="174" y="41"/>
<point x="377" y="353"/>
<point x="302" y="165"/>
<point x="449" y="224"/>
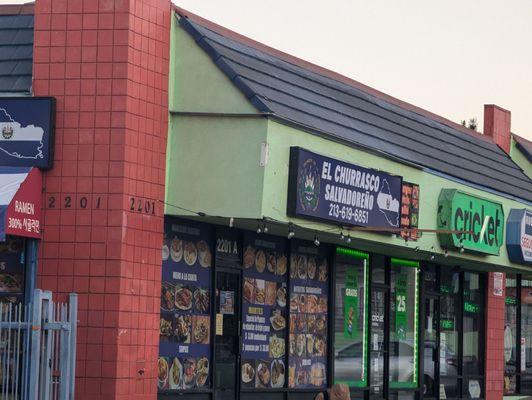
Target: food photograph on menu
<point x="185" y="348"/>
<point x="307" y="352"/>
<point x="264" y="312"/>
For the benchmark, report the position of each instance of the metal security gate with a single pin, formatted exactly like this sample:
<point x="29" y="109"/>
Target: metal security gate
<point x="38" y="349"/>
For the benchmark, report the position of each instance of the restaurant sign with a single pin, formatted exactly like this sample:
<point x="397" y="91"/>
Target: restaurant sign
<point x="324" y="188"/>
<point x="519" y="236"/>
<point x="27" y="131"/>
<point x="478" y="223"/>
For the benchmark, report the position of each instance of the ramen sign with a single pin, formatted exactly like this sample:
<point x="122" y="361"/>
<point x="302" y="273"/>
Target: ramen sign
<point x="324" y="188"/>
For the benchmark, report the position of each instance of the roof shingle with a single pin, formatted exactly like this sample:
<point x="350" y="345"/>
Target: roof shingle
<point x="16" y="50"/>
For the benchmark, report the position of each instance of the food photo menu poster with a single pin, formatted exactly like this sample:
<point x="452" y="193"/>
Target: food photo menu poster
<point x="264" y="312"/>
<point x="184" y="350"/>
<point x="309" y="289"/>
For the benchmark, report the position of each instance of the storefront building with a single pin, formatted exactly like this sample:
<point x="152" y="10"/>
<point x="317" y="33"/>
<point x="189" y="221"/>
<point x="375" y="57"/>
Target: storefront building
<point x="313" y="230"/>
<point x="314" y="234"/>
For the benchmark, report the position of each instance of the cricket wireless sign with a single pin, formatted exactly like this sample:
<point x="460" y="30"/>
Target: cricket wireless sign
<point x="328" y="189"/>
<point x="480" y="220"/>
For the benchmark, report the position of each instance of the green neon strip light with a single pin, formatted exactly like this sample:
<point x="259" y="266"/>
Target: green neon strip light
<point x="365" y="327"/>
<point x="404" y="263"/>
<point x="414" y="382"/>
<point x="416" y="323"/>
<point x="352" y="253"/>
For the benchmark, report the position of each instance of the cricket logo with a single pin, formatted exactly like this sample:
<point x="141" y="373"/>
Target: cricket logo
<point x="308" y="183"/>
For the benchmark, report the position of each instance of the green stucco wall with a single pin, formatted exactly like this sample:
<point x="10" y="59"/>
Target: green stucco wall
<point x="520" y="159"/>
<point x="196" y="83"/>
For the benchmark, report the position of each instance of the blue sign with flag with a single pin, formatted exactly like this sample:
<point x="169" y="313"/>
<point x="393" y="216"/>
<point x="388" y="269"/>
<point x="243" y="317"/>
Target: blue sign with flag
<point x="328" y="189"/>
<point x="27" y="131"/>
<point x="519" y="236"/>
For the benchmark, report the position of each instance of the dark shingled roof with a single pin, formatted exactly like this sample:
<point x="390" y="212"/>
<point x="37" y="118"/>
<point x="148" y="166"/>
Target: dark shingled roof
<point x="16" y="48"/>
<point x="525" y="146"/>
<point x="300" y="93"/>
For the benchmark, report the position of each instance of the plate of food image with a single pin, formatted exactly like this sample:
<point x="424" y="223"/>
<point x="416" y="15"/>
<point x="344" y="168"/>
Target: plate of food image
<point x="248" y="372"/>
<point x="277" y="346"/>
<point x="190" y="253"/>
<point x="176" y="249"/>
<point x="200" y="329"/>
<point x="249" y="257"/>
<point x="271" y="293"/>
<point x="249" y="290"/>
<point x="281" y="265"/>
<point x="204" y="254"/>
<point x="271" y="262"/>
<point x="281" y="297"/>
<point x="189" y="373"/>
<point x="202" y="372"/>
<point x="302" y="267"/>
<point x="317" y="374"/>
<point x="322" y="272"/>
<point x="260" y="261"/>
<point x="167" y="297"/>
<point x="201" y="300"/>
<point x="165" y="328"/>
<point x="263" y="374"/>
<point x="183" y="298"/>
<point x="162" y="373"/>
<point x="277" y="373"/>
<point x="176" y="373"/>
<point x="259" y="291"/>
<point x="278" y="321"/>
<point x="182" y="328"/>
<point x="311" y="268"/>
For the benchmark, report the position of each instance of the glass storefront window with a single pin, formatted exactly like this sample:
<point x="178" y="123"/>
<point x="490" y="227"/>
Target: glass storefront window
<point x="510" y="336"/>
<point x="449" y="335"/>
<point x="526" y="325"/>
<point x="350" y="339"/>
<point x="473" y="323"/>
<point x="404" y="324"/>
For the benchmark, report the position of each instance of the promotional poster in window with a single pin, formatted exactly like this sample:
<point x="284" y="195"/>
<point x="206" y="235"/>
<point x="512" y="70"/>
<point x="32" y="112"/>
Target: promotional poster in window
<point x="185" y="350"/>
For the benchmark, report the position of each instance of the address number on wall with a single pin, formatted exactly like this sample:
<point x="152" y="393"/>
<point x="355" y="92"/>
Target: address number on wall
<point x="145" y="206"/>
<point x="70" y="201"/>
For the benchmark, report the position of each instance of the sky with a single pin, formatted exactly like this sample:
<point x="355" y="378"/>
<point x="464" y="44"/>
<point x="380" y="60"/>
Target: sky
<point x="450" y="57"/>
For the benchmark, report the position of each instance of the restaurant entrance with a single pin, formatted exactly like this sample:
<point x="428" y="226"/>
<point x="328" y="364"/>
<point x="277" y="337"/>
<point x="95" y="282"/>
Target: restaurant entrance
<point x="227" y="335"/>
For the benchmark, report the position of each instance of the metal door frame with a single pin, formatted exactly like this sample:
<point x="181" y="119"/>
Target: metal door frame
<point x="236" y="270"/>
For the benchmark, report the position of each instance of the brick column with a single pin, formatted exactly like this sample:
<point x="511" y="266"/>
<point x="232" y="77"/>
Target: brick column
<point x="106" y="62"/>
<point x="494" y="342"/>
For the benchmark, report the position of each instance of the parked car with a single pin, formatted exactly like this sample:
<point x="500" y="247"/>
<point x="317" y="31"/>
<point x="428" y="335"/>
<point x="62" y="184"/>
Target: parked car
<point x="349" y="359"/>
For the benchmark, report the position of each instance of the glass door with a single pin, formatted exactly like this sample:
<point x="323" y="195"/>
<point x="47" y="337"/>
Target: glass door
<point x="227" y="334"/>
<point x="431" y="348"/>
<point x="377" y="342"/>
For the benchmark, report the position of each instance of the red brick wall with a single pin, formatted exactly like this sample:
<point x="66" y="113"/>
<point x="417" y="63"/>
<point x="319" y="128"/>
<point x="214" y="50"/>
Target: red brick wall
<point x="106" y="62"/>
<point x="497" y="124"/>
<point x="494" y="343"/>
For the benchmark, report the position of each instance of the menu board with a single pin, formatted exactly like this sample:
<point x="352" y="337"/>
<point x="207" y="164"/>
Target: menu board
<point x="307" y="355"/>
<point x="184" y="350"/>
<point x="11" y="270"/>
<point x="410" y="211"/>
<point x="264" y="312"/>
